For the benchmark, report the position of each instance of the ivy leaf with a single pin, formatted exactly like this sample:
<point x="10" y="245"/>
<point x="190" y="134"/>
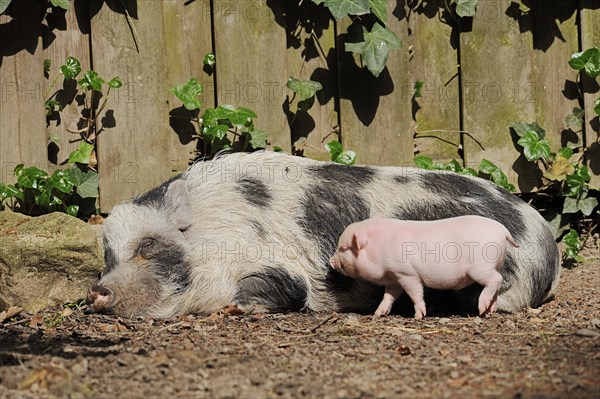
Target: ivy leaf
<point x="597" y="106"/>
<point x="565" y="152"/>
<point x="575" y="119"/>
<point x="53" y="137"/>
<point x="47" y="65"/>
<point x="82" y="153"/>
<point x="72" y="210"/>
<point x="378" y="7"/>
<point x="521" y="128"/>
<point x="258" y="138"/>
<point x="571" y="240"/>
<point x="61" y="180"/>
<point x="533" y="147"/>
<point x="466" y="8"/>
<point x="29" y="177"/>
<point x="115" y="82"/>
<point x="187" y="93"/>
<point x="340" y="8"/>
<point x="418" y="87"/>
<point x="8" y="191"/>
<point x="304" y="88"/>
<point x="570" y="205"/>
<point x="5" y="3"/>
<point x="71" y="69"/>
<point x="576" y="182"/>
<point x="64" y="4"/>
<point x="423" y="162"/>
<point x="209" y="60"/>
<point x="338" y="155"/>
<point x="237" y="116"/>
<point x="91" y="80"/>
<point x="587" y="205"/>
<point x="560" y="168"/>
<point x="588" y="60"/>
<point x="86" y="183"/>
<point x="375" y="47"/>
<point x="218" y="131"/>
<point x="496" y="174"/>
<point x="52" y="106"/>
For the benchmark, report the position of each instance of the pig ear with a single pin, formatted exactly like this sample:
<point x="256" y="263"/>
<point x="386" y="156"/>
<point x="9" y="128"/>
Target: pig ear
<point x="177" y="204"/>
<point x="359" y="241"/>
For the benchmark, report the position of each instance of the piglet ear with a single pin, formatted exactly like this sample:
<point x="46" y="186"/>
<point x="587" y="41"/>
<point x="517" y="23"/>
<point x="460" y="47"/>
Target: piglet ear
<point x="359" y="241"/>
<point x="177" y="204"/>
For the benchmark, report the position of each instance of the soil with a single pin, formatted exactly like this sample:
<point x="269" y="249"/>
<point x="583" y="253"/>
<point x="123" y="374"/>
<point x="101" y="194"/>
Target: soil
<point x="549" y="352"/>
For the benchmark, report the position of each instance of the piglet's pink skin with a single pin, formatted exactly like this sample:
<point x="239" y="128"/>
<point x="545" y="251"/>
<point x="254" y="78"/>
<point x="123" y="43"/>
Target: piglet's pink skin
<point x="408" y="255"/>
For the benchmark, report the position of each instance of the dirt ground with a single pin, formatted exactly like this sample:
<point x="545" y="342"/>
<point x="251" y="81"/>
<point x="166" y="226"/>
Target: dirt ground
<point x="550" y="352"/>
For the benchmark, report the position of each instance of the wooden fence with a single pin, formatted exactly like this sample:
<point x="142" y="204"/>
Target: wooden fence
<point x="506" y="64"/>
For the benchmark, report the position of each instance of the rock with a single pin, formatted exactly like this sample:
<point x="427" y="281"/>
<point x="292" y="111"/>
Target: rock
<point x="46" y="260"/>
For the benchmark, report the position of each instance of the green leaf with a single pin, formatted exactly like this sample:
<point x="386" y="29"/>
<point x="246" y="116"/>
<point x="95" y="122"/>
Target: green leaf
<point x="588" y="60"/>
<point x="378" y="7"/>
<point x="47" y="64"/>
<point x="91" y="80"/>
<point x="375" y="47"/>
<point x="423" y="162"/>
<point x="86" y="183"/>
<point x="340" y="8"/>
<point x="72" y="210"/>
<point x="587" y="205"/>
<point x="258" y="138"/>
<point x="64" y="4"/>
<point x="338" y="155"/>
<point x="8" y="191"/>
<point x="29" y="177"/>
<point x="71" y="69"/>
<point x="466" y="8"/>
<point x="209" y="60"/>
<point x="521" y="128"/>
<point x="82" y="153"/>
<point x="573" y="245"/>
<point x="115" y="82"/>
<point x="277" y="148"/>
<point x="317" y="2"/>
<point x="54" y="138"/>
<point x="418" y="87"/>
<point x="496" y="174"/>
<point x="557" y="224"/>
<point x="52" y="106"/>
<point x="218" y="131"/>
<point x="565" y="152"/>
<point x="5" y="3"/>
<point x="575" y="119"/>
<point x="570" y="205"/>
<point x="61" y="180"/>
<point x="237" y="116"/>
<point x="188" y="92"/>
<point x="304" y="88"/>
<point x="597" y="106"/>
<point x="576" y="182"/>
<point x="533" y="147"/>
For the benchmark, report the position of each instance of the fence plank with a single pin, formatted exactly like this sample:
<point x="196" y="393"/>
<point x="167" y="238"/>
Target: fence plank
<point x="187" y="40"/>
<point x="375" y="113"/>
<point x="141" y="150"/>
<point x="23" y="117"/>
<point x="435" y="61"/>
<point x="311" y="55"/>
<point x="590" y="37"/>
<point x="72" y="41"/>
<point x="251" y="66"/>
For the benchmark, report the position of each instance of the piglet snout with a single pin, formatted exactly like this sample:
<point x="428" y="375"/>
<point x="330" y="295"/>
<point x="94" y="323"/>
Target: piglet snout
<point x="100" y="298"/>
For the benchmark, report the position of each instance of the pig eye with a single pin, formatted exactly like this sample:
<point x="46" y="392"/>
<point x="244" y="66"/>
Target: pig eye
<point x="145" y="248"/>
<point x="344" y="248"/>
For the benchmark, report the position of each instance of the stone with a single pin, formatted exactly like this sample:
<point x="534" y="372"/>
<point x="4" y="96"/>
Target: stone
<point x="46" y="260"/>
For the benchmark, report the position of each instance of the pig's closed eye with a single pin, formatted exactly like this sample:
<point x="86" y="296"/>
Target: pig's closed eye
<point x="344" y="248"/>
<point x="146" y="248"/>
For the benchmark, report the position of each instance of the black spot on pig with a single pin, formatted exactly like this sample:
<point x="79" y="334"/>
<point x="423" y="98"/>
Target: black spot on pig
<point x="352" y="176"/>
<point x="168" y="260"/>
<point x="259" y="229"/>
<point x="327" y="209"/>
<point x="453" y="185"/>
<point x="255" y="191"/>
<point x="543" y="278"/>
<point x="402" y="179"/>
<point x="273" y="288"/>
<point x="155" y="197"/>
<point x="110" y="259"/>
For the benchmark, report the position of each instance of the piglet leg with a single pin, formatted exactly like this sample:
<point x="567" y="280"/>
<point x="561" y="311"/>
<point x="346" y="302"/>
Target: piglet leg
<point x="491" y="282"/>
<point x="392" y="292"/>
<point x="414" y="289"/>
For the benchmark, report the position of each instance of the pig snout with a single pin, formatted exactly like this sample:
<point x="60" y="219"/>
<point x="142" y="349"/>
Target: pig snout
<point x="100" y="298"/>
<point x="335" y="263"/>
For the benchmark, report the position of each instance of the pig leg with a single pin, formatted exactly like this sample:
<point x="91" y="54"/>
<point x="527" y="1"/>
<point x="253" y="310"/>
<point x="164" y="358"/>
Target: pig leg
<point x="414" y="289"/>
<point x="392" y="292"/>
<point x="491" y="280"/>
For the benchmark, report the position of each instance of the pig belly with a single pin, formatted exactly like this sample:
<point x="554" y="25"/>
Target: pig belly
<point x="443" y="276"/>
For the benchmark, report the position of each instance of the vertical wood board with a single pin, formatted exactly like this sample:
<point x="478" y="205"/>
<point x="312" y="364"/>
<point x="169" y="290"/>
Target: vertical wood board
<point x="250" y="50"/>
<point x="22" y="113"/>
<point x="375" y="114"/>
